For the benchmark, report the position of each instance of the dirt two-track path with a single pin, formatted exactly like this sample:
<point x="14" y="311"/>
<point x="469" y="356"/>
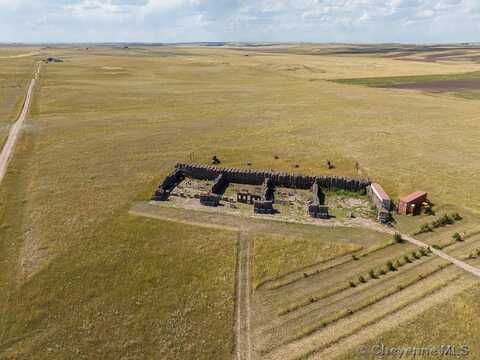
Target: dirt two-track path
<point x="14" y="132"/>
<point x="242" y="298"/>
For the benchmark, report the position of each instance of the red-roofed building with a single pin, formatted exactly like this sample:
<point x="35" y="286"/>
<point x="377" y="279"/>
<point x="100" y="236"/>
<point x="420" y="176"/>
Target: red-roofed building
<point x="410" y="203"/>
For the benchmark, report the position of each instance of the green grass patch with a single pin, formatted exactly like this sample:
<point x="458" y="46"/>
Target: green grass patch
<point x="406" y="80"/>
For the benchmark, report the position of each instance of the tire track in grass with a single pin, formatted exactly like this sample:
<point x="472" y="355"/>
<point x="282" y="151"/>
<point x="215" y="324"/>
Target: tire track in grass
<point x="242" y="298"/>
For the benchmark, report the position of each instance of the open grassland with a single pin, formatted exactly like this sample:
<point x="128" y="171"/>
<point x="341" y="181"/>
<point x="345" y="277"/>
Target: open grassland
<point x="82" y="278"/>
<point x="17" y="52"/>
<point x="15" y="75"/>
<point x="127" y="288"/>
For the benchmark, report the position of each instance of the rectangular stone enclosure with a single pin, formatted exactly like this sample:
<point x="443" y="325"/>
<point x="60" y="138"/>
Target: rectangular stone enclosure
<point x="269" y="180"/>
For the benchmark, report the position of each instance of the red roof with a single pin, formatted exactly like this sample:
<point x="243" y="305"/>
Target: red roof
<point x="413" y="196"/>
<point x="380" y="192"/>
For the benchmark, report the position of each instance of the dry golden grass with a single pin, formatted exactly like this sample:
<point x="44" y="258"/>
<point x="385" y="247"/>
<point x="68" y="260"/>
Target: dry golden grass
<point x="108" y="124"/>
<point x="15" y="75"/>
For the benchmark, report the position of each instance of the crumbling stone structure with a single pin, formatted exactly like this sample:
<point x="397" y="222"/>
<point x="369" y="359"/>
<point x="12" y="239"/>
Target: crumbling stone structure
<point x="222" y="177"/>
<point x="317" y="208"/>
<point x="247" y="198"/>
<point x="219" y="185"/>
<point x="168" y="185"/>
<point x="265" y="205"/>
<point x="268" y="190"/>
<point x="212" y="200"/>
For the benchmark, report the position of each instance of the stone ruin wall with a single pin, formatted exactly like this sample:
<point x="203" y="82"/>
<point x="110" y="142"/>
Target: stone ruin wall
<point x="280" y="179"/>
<point x="316" y="201"/>
<point x="167" y="186"/>
<point x="219" y="185"/>
<point x="268" y="190"/>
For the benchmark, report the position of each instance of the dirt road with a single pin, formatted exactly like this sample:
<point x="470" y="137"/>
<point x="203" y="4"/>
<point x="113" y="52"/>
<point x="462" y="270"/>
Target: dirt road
<point x="14" y="132"/>
<point x="461" y="264"/>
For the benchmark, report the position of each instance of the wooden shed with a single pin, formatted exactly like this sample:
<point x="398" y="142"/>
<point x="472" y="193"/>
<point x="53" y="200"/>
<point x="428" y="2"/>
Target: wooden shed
<point x="410" y="203"/>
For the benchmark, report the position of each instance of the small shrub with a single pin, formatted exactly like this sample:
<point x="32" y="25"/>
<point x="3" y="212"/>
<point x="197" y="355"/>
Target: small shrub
<point x="436" y="247"/>
<point x="398" y="238"/>
<point x="382" y="272"/>
<point x="425" y="228"/>
<point x="415" y="255"/>
<point x="424" y="251"/>
<point x="372" y="274"/>
<point x="456" y="216"/>
<point x="398" y="263"/>
<point x="354" y="257"/>
<point x="457" y="237"/>
<point x="362" y="279"/>
<point x="436" y="223"/>
<point x="352" y="284"/>
<point x="407" y="259"/>
<point x="305" y="275"/>
<point x="391" y="267"/>
<point x="446" y="220"/>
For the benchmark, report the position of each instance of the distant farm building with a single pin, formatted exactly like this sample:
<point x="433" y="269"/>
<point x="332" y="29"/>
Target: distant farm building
<point x="53" y="60"/>
<point x="411" y="203"/>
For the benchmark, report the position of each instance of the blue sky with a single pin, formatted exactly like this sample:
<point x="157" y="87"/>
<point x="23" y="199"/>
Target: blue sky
<point x="412" y="21"/>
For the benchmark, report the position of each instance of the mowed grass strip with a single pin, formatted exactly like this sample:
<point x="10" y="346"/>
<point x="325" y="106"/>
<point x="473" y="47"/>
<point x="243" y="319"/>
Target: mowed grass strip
<point x="279" y="254"/>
